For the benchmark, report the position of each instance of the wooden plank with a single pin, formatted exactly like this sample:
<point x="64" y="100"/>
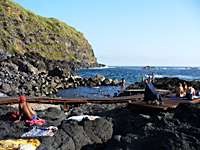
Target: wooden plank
<point x="65" y="108"/>
<point x="169" y="103"/>
<point x="142" y="90"/>
<point x="162" y="92"/>
<point x="5" y="100"/>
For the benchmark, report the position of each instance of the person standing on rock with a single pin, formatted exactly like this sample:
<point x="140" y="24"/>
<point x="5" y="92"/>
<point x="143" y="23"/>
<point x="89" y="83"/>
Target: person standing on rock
<point x="184" y="86"/>
<point x="153" y="77"/>
<point x="149" y="78"/>
<point x="145" y="82"/>
<point x="123" y="84"/>
<point x="143" y="78"/>
<point x="26" y="109"/>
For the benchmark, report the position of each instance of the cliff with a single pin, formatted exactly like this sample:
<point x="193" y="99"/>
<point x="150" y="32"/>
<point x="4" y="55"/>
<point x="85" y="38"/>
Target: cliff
<point x="23" y="32"/>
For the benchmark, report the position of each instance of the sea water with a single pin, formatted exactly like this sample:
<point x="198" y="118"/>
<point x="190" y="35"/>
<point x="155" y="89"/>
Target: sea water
<point x="131" y="74"/>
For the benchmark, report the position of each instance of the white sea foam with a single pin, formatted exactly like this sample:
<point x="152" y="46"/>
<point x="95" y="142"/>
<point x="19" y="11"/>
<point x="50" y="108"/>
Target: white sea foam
<point x="192" y="68"/>
<point x="159" y="76"/>
<point x="184" y="77"/>
<point x="96" y="87"/>
<point x="106" y="67"/>
<point x="163" y="68"/>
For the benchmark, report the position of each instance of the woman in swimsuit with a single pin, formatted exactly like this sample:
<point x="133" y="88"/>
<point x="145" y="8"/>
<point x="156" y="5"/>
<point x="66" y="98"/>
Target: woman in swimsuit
<point x="123" y="84"/>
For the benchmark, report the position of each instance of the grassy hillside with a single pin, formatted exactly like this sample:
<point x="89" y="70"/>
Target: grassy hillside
<point x="22" y="31"/>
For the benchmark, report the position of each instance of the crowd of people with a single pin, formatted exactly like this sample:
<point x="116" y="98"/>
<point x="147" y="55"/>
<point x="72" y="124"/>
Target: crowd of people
<point x="185" y="90"/>
<point x="150" y="78"/>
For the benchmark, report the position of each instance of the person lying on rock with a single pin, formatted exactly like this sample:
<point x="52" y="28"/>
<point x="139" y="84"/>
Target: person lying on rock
<point x="26" y="109"/>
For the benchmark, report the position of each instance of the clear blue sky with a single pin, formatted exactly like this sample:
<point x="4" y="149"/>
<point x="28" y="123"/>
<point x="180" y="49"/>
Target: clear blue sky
<point x="131" y="32"/>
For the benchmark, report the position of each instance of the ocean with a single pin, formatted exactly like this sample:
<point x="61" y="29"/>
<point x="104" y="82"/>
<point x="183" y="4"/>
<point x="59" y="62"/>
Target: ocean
<point x="131" y="74"/>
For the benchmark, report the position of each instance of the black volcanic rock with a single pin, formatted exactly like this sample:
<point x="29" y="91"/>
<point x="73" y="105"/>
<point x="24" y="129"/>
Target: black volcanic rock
<point x="166" y="83"/>
<point x="70" y="135"/>
<point x="148" y="67"/>
<point x="119" y="127"/>
<point x="34" y="75"/>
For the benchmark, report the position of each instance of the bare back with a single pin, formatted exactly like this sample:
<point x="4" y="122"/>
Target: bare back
<point x="191" y="90"/>
<point x="27" y="110"/>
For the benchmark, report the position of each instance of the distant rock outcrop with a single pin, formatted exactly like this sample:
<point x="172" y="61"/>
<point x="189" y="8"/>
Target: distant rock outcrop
<point x="148" y="67"/>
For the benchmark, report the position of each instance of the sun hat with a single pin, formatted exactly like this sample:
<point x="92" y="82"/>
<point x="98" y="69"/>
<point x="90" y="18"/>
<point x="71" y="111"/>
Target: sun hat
<point x="23" y="98"/>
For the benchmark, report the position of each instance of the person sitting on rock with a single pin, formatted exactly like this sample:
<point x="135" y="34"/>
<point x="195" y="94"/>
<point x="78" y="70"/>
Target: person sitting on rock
<point x="26" y="109"/>
<point x="190" y="92"/>
<point x="180" y="91"/>
<point x="184" y="86"/>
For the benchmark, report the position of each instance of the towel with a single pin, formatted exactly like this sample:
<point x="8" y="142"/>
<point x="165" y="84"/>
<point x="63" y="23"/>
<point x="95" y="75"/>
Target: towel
<point x="35" y="121"/>
<point x="2" y="95"/>
<point x="80" y="118"/>
<point x="26" y="147"/>
<point x="41" y="131"/>
<point x="174" y="96"/>
<point x="15" y="144"/>
<point x="12" y="114"/>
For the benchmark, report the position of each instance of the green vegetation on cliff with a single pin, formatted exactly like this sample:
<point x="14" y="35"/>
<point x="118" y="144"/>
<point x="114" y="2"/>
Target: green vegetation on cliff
<point x="22" y="31"/>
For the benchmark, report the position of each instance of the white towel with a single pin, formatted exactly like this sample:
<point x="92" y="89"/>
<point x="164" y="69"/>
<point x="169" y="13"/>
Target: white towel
<point x="80" y="118"/>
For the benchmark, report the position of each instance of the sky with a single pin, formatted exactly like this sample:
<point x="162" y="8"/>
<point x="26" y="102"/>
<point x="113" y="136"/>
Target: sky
<point x="131" y="32"/>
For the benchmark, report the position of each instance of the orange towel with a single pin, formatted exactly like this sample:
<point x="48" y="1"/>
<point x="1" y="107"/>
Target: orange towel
<point x="14" y="144"/>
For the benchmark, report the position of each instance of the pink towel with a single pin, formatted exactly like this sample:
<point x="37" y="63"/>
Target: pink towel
<point x="35" y="121"/>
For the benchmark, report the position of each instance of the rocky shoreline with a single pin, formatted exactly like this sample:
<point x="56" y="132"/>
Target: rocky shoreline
<point x="166" y="83"/>
<point x="34" y="75"/>
<point x="118" y="128"/>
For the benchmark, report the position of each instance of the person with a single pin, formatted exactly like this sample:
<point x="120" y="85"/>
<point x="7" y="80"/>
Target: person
<point x="26" y="109"/>
<point x="180" y="91"/>
<point x="190" y="92"/>
<point x="184" y="86"/>
<point x="143" y="78"/>
<point x="123" y="84"/>
<point x="153" y="77"/>
<point x="149" y="78"/>
<point x="145" y="82"/>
